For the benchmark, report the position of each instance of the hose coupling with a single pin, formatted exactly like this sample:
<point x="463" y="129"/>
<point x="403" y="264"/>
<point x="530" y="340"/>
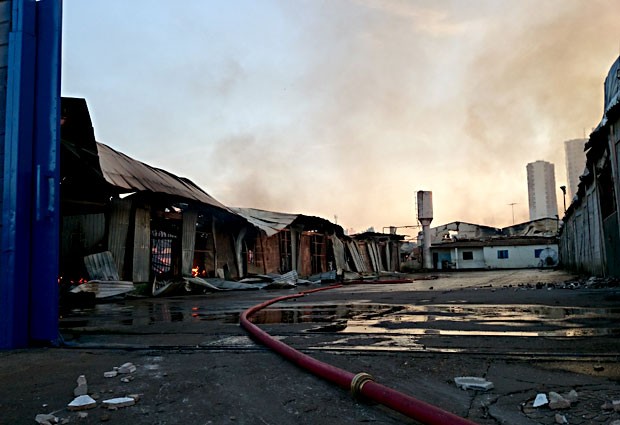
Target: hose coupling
<point x="358" y="382"/>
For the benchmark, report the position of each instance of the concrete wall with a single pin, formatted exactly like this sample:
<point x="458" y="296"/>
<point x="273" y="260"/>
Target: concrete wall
<point x="518" y="256"/>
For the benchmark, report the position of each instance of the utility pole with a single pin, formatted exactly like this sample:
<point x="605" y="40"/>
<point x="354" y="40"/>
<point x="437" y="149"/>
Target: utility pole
<point x="512" y="205"/>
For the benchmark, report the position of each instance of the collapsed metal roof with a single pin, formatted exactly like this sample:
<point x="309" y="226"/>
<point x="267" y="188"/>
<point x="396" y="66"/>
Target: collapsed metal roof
<point x="273" y="222"/>
<point x="268" y="221"/>
<point x="127" y="173"/>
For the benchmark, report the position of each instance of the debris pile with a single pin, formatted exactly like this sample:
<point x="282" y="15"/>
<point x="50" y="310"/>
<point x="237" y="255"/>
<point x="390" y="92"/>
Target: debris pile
<point x="560" y="406"/>
<point x="85" y="400"/>
<point x="592" y="282"/>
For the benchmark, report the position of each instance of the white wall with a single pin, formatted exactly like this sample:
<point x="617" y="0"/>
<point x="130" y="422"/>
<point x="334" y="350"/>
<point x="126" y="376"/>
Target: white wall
<point x="476" y="263"/>
<point x="518" y="256"/>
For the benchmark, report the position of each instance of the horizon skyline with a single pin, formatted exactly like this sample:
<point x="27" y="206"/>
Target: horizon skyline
<point x="347" y="108"/>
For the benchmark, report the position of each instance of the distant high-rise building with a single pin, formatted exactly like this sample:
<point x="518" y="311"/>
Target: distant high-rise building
<point x="575" y="164"/>
<point x="541" y="190"/>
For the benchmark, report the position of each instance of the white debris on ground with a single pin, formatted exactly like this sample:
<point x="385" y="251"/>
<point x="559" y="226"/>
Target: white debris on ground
<point x="540" y="400"/>
<point x="82" y="386"/>
<point x="118" y="402"/>
<point x="556" y="401"/>
<point x="84" y="401"/>
<point x="127" y="368"/>
<point x="473" y="383"/>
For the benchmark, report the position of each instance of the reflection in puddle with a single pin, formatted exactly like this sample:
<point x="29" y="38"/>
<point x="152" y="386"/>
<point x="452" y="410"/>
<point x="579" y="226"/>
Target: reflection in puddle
<point x="387" y="325"/>
<point x="470" y="320"/>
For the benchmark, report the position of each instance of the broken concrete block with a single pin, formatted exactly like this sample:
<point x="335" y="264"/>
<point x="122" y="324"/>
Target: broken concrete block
<point x="127" y="379"/>
<point x="572" y="396"/>
<point x="110" y="374"/>
<point x="119" y="402"/>
<point x="560" y="419"/>
<point x="45" y="419"/>
<point x="473" y="383"/>
<point x="82" y="415"/>
<point x="82" y="386"/>
<point x="127" y="368"/>
<point x="540" y="400"/>
<point x="82" y="402"/>
<point x="556" y="401"/>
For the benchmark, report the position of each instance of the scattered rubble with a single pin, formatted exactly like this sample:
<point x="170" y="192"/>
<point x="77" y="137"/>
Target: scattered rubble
<point x="127" y="368"/>
<point x="110" y="374"/>
<point x="612" y="405"/>
<point x="560" y="419"/>
<point x="581" y="283"/>
<point x="556" y="401"/>
<point x="82" y="386"/>
<point x="82" y="402"/>
<point x="46" y="419"/>
<point x="540" y="400"/>
<point x="116" y="403"/>
<point x="473" y="383"/>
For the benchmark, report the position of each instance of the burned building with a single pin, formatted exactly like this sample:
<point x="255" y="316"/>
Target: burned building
<point x="311" y="245"/>
<point x="155" y="224"/>
<point x="590" y="236"/>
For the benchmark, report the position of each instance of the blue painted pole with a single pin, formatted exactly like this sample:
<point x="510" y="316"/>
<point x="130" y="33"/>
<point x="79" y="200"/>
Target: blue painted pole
<point x="46" y="168"/>
<point x="17" y="182"/>
<point x="29" y="234"/>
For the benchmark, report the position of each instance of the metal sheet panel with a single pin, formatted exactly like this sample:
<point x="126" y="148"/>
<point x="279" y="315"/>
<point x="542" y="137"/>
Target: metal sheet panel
<point x="142" y="245"/>
<point x="268" y="221"/>
<point x="188" y="240"/>
<point x="101" y="266"/>
<point x="127" y="173"/>
<point x="117" y="234"/>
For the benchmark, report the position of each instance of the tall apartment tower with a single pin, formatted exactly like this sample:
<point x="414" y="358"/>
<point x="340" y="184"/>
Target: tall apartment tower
<point x="541" y="190"/>
<point x="575" y="164"/>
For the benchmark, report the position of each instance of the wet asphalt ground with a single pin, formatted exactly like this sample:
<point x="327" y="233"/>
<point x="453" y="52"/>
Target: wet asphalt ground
<point x="524" y="331"/>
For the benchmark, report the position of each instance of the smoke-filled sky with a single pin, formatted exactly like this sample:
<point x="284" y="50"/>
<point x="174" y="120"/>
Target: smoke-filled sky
<point x="346" y="107"/>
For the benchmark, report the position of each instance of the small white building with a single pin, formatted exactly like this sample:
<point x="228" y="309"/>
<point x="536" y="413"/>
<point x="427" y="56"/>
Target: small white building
<point x="495" y="253"/>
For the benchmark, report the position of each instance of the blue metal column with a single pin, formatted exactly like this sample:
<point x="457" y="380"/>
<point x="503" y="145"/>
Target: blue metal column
<point x="46" y="171"/>
<point x="16" y="205"/>
<point x="29" y="232"/>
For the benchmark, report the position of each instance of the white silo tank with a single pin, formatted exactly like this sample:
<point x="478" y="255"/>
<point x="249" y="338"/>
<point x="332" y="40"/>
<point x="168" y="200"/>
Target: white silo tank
<point x="425" y="216"/>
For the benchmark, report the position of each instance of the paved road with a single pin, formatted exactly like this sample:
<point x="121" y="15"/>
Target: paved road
<point x="196" y="365"/>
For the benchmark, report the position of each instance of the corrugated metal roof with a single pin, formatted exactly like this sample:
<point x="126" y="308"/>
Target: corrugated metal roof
<point x="127" y="173"/>
<point x="268" y="221"/>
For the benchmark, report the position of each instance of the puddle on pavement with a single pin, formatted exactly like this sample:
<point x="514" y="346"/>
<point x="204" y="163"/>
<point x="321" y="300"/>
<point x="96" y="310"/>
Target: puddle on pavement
<point x="139" y="314"/>
<point x="399" y="322"/>
<point x="474" y="320"/>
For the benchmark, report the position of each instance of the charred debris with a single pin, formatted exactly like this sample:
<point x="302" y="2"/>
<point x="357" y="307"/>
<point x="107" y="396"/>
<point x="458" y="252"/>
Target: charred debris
<point x="127" y="225"/>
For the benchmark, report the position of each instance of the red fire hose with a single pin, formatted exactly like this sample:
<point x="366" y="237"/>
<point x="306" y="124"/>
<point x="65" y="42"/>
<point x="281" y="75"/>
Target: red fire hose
<point x="361" y="385"/>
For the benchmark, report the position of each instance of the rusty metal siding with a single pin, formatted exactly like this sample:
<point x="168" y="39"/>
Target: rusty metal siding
<point x="188" y="241"/>
<point x="142" y="245"/>
<point x="118" y="231"/>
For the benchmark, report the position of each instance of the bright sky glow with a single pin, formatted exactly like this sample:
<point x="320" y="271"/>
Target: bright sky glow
<point x="345" y="107"/>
